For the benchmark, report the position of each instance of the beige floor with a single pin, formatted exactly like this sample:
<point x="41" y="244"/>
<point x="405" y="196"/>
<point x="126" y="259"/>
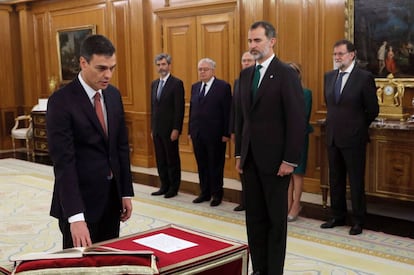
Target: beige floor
<point x="382" y="209"/>
<point x="26" y="227"/>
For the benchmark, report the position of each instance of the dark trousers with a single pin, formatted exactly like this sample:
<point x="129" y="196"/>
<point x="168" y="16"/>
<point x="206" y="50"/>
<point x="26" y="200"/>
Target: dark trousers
<point x="104" y="229"/>
<point x="266" y="217"/>
<point x="168" y="163"/>
<point x="210" y="157"/>
<point x="351" y="161"/>
<point x="242" y="193"/>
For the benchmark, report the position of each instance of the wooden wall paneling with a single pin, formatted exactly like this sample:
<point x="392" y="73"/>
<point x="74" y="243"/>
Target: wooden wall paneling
<point x="41" y="48"/>
<point x="15" y="54"/>
<point x="141" y="67"/>
<point x="29" y="78"/>
<point x="119" y="30"/>
<point x="180" y="41"/>
<point x="6" y="77"/>
<point x="11" y="92"/>
<point x="121" y="36"/>
<point x="310" y="61"/>
<point x="289" y="29"/>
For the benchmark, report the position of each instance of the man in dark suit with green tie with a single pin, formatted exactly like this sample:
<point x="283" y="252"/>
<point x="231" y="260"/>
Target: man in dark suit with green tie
<point x="270" y="131"/>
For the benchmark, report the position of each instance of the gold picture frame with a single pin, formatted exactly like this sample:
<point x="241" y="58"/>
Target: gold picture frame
<point x="352" y="31"/>
<point x="68" y="47"/>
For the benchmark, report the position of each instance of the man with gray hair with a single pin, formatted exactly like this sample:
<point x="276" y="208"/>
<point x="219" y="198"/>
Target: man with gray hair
<point x="167" y="114"/>
<point x="208" y="129"/>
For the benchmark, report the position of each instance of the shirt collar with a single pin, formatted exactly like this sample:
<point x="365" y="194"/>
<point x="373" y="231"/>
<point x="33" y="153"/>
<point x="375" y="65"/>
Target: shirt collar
<point x="165" y="78"/>
<point x="89" y="91"/>
<point x="266" y="63"/>
<point x="349" y="69"/>
<point x="209" y="83"/>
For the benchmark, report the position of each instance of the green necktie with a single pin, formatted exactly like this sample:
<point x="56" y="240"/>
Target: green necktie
<point x="256" y="78"/>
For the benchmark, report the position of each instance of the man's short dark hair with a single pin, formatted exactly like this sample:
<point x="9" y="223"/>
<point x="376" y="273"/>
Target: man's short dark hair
<point x="270" y="31"/>
<point x="162" y="56"/>
<point x="96" y="44"/>
<point x="349" y="45"/>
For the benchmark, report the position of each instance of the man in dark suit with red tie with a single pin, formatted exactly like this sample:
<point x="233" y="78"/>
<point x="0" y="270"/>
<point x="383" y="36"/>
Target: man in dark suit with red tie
<point x="167" y="114"/>
<point x="88" y="144"/>
<point x="209" y="130"/>
<point x="270" y="132"/>
<point x="352" y="104"/>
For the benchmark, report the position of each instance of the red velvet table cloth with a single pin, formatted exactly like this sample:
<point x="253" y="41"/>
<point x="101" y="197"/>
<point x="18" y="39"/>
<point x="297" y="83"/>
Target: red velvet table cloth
<point x="211" y="255"/>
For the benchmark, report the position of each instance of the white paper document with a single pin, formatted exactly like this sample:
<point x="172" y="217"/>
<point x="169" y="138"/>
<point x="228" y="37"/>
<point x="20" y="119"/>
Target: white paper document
<point x="165" y="243"/>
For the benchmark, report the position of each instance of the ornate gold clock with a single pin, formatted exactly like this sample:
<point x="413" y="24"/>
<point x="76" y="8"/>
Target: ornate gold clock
<point x="390" y="99"/>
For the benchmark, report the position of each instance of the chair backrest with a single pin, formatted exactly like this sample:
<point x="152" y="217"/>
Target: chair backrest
<point x="22" y="123"/>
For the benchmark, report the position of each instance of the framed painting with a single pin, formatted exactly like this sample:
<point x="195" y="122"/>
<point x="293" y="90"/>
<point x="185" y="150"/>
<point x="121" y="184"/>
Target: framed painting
<point x="383" y="34"/>
<point x="68" y="42"/>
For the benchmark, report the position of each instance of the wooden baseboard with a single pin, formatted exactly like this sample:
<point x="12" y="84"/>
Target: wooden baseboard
<point x="188" y="187"/>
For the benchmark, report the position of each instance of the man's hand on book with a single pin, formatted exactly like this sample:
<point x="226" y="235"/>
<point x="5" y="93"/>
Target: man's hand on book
<point x="126" y="209"/>
<point x="80" y="234"/>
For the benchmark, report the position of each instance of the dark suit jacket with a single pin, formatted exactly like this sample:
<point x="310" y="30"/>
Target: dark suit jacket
<point x="273" y="125"/>
<point x="209" y="117"/>
<point x="168" y="112"/>
<point x="347" y="121"/>
<point x="83" y="155"/>
<point x="232" y="120"/>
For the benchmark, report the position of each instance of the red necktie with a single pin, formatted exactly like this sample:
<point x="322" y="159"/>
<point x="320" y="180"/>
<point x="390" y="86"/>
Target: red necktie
<point x="98" y="110"/>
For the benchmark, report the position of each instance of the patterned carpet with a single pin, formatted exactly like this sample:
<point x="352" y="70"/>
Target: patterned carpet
<point x="25" y="226"/>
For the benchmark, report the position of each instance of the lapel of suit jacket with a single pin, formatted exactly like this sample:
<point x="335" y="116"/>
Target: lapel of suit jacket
<point x="213" y="86"/>
<point x="330" y="86"/>
<point x="164" y="88"/>
<point x="245" y="90"/>
<point x="267" y="78"/>
<point x="210" y="90"/>
<point x="345" y="89"/>
<point x="349" y="83"/>
<point x="81" y="98"/>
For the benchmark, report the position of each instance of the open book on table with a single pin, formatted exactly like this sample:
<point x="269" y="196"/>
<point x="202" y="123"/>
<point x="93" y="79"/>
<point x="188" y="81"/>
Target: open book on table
<point x="79" y="252"/>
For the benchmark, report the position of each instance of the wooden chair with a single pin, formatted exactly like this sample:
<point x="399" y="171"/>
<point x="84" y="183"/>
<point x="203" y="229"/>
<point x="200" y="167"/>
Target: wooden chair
<point x="23" y="129"/>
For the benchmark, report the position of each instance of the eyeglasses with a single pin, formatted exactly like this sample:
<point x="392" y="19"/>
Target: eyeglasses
<point x="339" y="54"/>
<point x="204" y="69"/>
